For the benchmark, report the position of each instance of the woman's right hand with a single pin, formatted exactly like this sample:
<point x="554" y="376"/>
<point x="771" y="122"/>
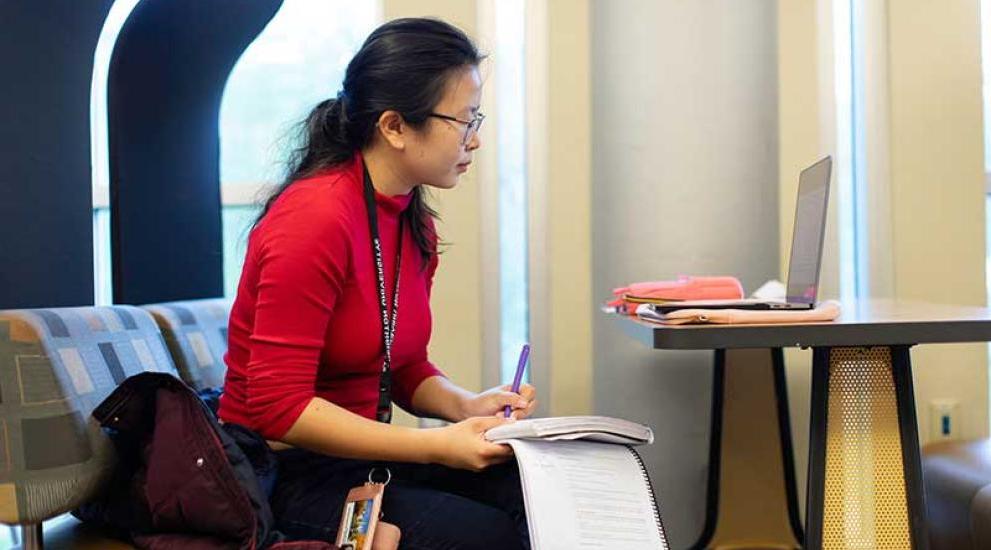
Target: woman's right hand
<point x="463" y="445"/>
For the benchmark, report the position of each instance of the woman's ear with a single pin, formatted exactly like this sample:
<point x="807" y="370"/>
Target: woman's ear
<point x="393" y="128"/>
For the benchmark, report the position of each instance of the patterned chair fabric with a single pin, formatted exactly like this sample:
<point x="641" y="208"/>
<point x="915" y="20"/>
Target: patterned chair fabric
<point x="56" y="366"/>
<point x="196" y="334"/>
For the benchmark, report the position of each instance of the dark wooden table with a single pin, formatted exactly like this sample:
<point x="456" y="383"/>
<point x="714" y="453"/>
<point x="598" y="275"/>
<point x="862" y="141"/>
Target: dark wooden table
<point x="864" y="477"/>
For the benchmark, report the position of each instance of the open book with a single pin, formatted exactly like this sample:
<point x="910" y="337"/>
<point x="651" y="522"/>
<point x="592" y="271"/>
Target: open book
<point x="583" y="484"/>
<point x="591" y="428"/>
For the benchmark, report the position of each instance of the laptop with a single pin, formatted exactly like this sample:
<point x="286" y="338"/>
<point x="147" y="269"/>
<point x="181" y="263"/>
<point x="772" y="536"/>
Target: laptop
<point x="806" y="250"/>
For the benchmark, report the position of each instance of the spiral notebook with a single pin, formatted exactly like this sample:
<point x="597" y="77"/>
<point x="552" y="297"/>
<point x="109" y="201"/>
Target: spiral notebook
<point x="584" y="485"/>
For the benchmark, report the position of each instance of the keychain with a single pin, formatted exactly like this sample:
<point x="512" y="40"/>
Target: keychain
<point x="362" y="509"/>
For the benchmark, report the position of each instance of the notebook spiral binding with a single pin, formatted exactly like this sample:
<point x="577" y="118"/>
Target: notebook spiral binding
<point x="653" y="499"/>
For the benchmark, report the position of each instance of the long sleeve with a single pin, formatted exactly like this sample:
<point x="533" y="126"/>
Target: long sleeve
<point x="303" y="262"/>
<point x="306" y="322"/>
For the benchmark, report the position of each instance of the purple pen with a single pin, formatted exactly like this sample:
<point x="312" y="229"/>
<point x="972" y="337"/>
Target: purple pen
<point x="524" y="355"/>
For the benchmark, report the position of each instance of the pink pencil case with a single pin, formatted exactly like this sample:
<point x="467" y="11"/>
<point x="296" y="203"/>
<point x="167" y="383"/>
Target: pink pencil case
<point x="685" y="287"/>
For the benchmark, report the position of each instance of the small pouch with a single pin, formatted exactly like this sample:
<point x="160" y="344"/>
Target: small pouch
<point x="683" y="288"/>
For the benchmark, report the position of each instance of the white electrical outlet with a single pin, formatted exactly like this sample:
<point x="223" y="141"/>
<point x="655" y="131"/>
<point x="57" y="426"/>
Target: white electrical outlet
<point x="944" y="419"/>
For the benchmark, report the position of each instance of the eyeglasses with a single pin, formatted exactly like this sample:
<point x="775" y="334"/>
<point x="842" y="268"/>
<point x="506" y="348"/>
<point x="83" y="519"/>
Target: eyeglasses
<point x="471" y="126"/>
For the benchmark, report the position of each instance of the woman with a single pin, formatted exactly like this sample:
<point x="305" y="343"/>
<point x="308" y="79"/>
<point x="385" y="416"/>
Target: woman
<point x="319" y="348"/>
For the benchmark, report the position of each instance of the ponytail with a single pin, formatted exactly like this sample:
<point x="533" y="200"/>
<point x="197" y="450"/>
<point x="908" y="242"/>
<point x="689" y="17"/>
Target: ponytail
<point x="324" y="143"/>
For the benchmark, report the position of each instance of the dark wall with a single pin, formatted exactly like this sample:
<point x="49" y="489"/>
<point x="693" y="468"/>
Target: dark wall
<point x="46" y="205"/>
<point x="167" y="79"/>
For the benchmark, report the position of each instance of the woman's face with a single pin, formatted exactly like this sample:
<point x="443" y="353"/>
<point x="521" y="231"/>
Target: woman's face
<point x="439" y="154"/>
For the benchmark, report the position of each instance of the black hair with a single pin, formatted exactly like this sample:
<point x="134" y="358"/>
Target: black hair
<point x="403" y="66"/>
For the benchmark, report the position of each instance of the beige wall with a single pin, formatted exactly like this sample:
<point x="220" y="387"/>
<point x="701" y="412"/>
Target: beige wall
<point x="569" y="199"/>
<point x="937" y="175"/>
<point x="457" y="296"/>
<point x="928" y="194"/>
<point x="456" y="299"/>
<point x="799" y="144"/>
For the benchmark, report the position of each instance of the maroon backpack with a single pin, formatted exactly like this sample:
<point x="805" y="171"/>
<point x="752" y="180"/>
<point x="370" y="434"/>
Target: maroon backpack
<point x="183" y="481"/>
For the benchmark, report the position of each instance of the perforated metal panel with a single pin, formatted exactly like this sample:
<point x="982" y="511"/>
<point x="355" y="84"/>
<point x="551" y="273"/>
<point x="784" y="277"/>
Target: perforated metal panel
<point x="865" y="504"/>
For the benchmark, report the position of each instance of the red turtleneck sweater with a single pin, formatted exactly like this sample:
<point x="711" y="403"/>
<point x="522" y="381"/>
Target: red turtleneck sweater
<point x="306" y="322"/>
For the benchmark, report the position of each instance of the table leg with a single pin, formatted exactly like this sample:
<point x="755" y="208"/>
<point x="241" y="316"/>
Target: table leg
<point x="865" y="476"/>
<point x="751" y="500"/>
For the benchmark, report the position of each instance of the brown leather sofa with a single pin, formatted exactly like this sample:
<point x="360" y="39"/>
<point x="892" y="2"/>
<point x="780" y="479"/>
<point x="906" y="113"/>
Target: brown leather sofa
<point x="957" y="478"/>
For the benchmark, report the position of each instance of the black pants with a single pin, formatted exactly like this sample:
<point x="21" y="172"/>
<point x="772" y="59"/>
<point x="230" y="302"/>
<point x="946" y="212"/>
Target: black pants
<point x="435" y="507"/>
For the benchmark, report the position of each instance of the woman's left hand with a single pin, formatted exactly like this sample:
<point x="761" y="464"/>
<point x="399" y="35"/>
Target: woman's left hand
<point x="493" y="402"/>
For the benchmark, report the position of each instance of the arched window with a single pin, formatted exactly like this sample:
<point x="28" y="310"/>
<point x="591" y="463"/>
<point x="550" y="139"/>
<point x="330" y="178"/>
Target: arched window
<point x="99" y="149"/>
<point x="297" y="61"/>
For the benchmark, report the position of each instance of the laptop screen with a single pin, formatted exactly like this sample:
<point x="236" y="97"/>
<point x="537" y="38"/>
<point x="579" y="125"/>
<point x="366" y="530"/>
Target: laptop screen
<point x="810" y="228"/>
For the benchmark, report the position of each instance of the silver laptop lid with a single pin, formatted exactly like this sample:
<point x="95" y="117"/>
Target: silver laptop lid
<point x="809" y="233"/>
